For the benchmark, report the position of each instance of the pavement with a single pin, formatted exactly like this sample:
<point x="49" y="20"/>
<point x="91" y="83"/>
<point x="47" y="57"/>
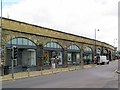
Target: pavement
<point x="21" y="75"/>
<point x="100" y="76"/>
<point x="117" y="71"/>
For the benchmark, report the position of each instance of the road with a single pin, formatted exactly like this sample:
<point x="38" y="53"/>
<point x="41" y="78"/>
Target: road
<point x="101" y="76"/>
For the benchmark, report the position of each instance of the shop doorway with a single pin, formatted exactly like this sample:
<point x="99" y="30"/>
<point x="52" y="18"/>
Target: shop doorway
<point x="50" y="49"/>
<point x="73" y="55"/>
<point x="88" y="55"/>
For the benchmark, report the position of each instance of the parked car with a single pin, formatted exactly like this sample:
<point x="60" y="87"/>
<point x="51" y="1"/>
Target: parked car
<point x="103" y="60"/>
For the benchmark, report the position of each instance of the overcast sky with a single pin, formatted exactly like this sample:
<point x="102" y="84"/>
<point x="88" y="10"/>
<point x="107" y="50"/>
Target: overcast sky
<point x="80" y="17"/>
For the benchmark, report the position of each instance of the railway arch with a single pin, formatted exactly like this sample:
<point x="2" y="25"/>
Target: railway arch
<point x="36" y="45"/>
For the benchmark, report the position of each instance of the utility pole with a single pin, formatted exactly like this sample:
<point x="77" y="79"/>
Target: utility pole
<point x="95" y="54"/>
<point x="95" y="42"/>
<point x="1" y="19"/>
<point x="2" y="70"/>
<point x="114" y="41"/>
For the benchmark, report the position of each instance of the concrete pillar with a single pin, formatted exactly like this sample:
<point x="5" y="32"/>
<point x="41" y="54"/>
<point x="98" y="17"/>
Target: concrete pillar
<point x="65" y="57"/>
<point x="102" y="51"/>
<point x="3" y="59"/>
<point x="110" y="56"/>
<point x="40" y="55"/>
<point x="81" y="55"/>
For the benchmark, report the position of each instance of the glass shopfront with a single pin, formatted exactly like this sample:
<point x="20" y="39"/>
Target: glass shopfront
<point x="88" y="55"/>
<point x="50" y="49"/>
<point x="73" y="56"/>
<point x="105" y="52"/>
<point x="98" y="51"/>
<point x="26" y="53"/>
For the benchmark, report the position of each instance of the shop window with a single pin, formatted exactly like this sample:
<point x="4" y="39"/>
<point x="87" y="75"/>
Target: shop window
<point x="73" y="47"/>
<point x="87" y="49"/>
<point x="30" y="43"/>
<point x="21" y="41"/>
<point x="105" y="51"/>
<point x="25" y="41"/>
<point x="14" y="41"/>
<point x="98" y="51"/>
<point x="55" y="45"/>
<point x="52" y="45"/>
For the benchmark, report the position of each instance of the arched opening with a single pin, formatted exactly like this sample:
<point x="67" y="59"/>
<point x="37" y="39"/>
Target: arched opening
<point x="98" y="51"/>
<point x="73" y="55"/>
<point x="97" y="57"/>
<point x="26" y="53"/>
<point x="105" y="52"/>
<point x="87" y="55"/>
<point x="52" y="49"/>
<point x="115" y="55"/>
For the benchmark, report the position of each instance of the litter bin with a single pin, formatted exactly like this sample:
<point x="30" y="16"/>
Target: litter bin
<point x="6" y="70"/>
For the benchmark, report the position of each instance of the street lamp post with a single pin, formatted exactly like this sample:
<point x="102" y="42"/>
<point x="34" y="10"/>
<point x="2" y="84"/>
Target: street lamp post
<point x="114" y="41"/>
<point x="95" y="42"/>
<point x="1" y="22"/>
<point x="1" y="42"/>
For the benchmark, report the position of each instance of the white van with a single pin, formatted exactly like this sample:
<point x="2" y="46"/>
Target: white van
<point x="103" y="60"/>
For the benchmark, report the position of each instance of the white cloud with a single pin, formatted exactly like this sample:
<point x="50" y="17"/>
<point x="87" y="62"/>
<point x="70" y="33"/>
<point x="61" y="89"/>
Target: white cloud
<point x="79" y="17"/>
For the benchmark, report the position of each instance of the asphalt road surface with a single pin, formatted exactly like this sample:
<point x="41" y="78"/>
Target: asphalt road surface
<point x="101" y="76"/>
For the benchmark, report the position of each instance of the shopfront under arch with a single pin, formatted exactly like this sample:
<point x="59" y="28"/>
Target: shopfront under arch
<point x="105" y="53"/>
<point x="98" y="51"/>
<point x="26" y="53"/>
<point x="87" y="55"/>
<point x="73" y="54"/>
<point x="50" y="49"/>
